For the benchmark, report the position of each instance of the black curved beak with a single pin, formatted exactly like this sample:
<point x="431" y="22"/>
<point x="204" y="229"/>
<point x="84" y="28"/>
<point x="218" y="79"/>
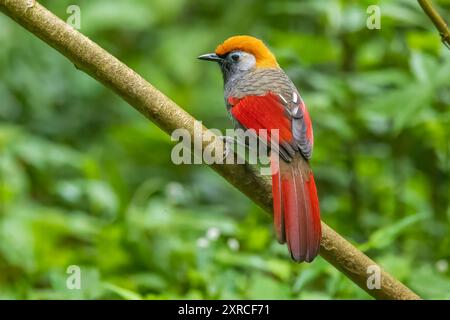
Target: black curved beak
<point x="210" y="57"/>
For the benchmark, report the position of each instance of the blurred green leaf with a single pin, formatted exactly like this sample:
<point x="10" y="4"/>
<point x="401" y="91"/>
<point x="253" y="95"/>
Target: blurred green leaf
<point x="122" y="292"/>
<point x="387" y="235"/>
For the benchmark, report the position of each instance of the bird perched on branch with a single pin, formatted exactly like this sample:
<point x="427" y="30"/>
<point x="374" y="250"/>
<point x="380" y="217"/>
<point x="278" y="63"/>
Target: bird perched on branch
<point x="259" y="95"/>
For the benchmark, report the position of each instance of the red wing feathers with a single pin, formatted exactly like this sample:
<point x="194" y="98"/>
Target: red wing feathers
<point x="262" y="112"/>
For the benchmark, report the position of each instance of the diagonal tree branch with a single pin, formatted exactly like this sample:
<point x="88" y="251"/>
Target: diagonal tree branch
<point x="437" y="20"/>
<point x="96" y="62"/>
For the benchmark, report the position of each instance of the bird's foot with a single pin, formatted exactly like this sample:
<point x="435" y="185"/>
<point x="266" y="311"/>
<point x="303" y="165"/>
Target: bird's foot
<point x="228" y="143"/>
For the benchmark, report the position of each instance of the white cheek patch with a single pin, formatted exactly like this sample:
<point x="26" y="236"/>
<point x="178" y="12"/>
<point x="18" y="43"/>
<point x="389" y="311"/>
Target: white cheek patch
<point x="294" y="98"/>
<point x="247" y="62"/>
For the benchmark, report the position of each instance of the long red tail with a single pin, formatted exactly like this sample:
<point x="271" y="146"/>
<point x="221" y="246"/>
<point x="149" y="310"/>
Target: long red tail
<point x="296" y="207"/>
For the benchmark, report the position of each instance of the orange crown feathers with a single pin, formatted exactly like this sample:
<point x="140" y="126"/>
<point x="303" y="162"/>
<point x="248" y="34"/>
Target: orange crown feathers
<point x="264" y="58"/>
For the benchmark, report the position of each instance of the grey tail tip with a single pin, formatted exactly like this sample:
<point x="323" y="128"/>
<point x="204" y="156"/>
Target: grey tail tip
<point x="307" y="258"/>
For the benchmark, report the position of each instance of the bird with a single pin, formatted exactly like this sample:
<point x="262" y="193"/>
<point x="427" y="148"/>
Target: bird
<point x="259" y="95"/>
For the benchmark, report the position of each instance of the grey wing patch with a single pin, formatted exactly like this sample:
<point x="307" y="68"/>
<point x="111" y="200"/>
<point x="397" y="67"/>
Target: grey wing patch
<point x="299" y="132"/>
<point x="295" y="112"/>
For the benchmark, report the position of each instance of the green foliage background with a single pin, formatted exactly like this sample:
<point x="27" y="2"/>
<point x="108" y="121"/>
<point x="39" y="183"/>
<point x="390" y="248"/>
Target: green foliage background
<point x="87" y="181"/>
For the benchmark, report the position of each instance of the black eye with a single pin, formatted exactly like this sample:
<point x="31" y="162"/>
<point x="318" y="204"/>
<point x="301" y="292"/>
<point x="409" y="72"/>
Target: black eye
<point x="235" y="57"/>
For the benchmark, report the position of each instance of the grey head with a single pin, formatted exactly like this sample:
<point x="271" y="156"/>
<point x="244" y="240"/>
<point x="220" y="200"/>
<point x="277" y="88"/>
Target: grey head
<point x="234" y="64"/>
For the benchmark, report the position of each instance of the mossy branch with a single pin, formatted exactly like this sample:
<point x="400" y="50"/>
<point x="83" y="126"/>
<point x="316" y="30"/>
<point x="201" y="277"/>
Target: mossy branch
<point x="96" y="62"/>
